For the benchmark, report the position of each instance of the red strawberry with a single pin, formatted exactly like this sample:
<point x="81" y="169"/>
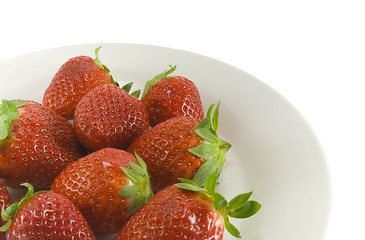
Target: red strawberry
<point x="45" y="215"/>
<point x="186" y="211"/>
<point x="36" y="144"/>
<point x="105" y="193"/>
<point x="109" y="117"/>
<point x="168" y="97"/>
<point x="179" y="148"/>
<point x="73" y="80"/>
<point x="5" y="201"/>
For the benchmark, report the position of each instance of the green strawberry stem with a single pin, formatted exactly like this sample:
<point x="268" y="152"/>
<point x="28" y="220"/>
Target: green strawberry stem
<point x="238" y="207"/>
<point x="9" y="213"/>
<point x="105" y="68"/>
<point x="140" y="191"/>
<point x="158" y="77"/>
<point x="8" y="112"/>
<point x="213" y="150"/>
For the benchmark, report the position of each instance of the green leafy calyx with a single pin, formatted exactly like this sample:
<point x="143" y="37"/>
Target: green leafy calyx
<point x="140" y="189"/>
<point x="8" y="112"/>
<point x="128" y="88"/>
<point x="213" y="150"/>
<point x="238" y="207"/>
<point x="105" y="68"/>
<point x="9" y="213"/>
<point x="158" y="77"/>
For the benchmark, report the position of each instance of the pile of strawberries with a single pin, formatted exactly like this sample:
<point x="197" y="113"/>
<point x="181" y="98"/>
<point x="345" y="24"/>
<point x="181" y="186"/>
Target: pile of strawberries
<point x="97" y="159"/>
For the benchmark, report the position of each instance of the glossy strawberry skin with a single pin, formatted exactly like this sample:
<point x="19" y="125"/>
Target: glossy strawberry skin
<point x="49" y="216"/>
<point x="164" y="149"/>
<point x="92" y="183"/>
<point x="109" y="117"/>
<point x="5" y="201"/>
<point x="40" y="145"/>
<point x="73" y="80"/>
<point x="174" y="213"/>
<point x="173" y="97"/>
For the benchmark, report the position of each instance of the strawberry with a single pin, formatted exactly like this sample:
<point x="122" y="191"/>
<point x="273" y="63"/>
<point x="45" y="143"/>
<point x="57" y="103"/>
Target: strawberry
<point x="109" y="117"/>
<point x="45" y="215"/>
<point x="168" y="97"/>
<point x="36" y="144"/>
<point x="107" y="186"/>
<point x="187" y="211"/>
<point x="73" y="80"/>
<point x="180" y="147"/>
<point x="5" y="201"/>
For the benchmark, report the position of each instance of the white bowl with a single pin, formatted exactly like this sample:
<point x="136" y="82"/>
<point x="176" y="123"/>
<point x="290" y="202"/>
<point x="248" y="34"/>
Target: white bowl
<point x="274" y="153"/>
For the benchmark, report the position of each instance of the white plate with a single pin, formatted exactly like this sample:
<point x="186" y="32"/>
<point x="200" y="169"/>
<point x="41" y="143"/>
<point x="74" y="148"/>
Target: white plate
<point x="274" y="153"/>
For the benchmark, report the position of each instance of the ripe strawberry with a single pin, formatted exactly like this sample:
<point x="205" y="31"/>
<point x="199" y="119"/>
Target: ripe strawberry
<point x="107" y="186"/>
<point x="45" y="215"/>
<point x="109" y="117"/>
<point x="168" y="97"/>
<point x="36" y="144"/>
<point x="73" y="80"/>
<point x="186" y="211"/>
<point x="180" y="147"/>
<point x="5" y="201"/>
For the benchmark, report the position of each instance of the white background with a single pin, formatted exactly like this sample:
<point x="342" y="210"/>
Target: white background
<point x="312" y="52"/>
